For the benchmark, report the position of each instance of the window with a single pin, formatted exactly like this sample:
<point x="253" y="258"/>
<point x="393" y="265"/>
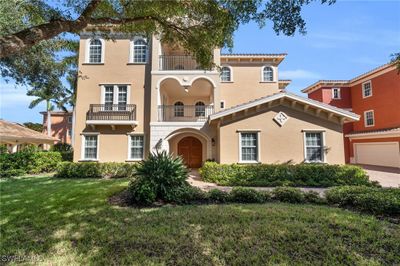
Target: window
<point x="179" y="109"/>
<point x="249" y="147"/>
<point x="139" y="51"/>
<point x="222" y="104"/>
<point x="70" y="119"/>
<point x="226" y="74"/>
<point x="115" y="97"/>
<point x="314" y="149"/>
<point x="366" y="89"/>
<point x="268" y="74"/>
<point x="200" y="109"/>
<point x="369" y="120"/>
<point x="122" y="97"/>
<point x="136" y="147"/>
<point x="69" y="132"/>
<point x="95" y="51"/>
<point x="90" y="147"/>
<point x="335" y="93"/>
<point x="108" y="97"/>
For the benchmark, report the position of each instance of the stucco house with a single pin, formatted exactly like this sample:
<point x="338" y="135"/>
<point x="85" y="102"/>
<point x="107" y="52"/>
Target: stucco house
<point x="140" y="95"/>
<point x="375" y="96"/>
<point x="61" y="125"/>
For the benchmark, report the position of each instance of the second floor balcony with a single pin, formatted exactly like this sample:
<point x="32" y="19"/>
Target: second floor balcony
<point x="184" y="113"/>
<point x="111" y="114"/>
<point x="178" y="62"/>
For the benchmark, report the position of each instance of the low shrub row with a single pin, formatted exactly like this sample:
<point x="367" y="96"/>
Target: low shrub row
<point x="296" y="175"/>
<point x="94" y="170"/>
<point x="28" y="161"/>
<point x="379" y="201"/>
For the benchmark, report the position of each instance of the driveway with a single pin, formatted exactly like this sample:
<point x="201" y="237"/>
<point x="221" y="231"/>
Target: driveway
<point x="386" y="176"/>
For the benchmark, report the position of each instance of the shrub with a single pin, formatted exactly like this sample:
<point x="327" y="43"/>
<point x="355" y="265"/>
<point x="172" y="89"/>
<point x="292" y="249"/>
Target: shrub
<point x="381" y="201"/>
<point x="218" y="196"/>
<point x="185" y="194"/>
<point x="62" y="147"/>
<point x="314" y="197"/>
<point x="164" y="175"/>
<point x="309" y="175"/>
<point x="246" y="195"/>
<point x="28" y="161"/>
<point x="288" y="194"/>
<point x="141" y="193"/>
<point x="95" y="170"/>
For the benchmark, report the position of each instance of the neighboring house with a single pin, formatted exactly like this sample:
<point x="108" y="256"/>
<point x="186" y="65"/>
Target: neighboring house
<point x="375" y="96"/>
<point x="140" y="95"/>
<point x="61" y="125"/>
<point x="15" y="136"/>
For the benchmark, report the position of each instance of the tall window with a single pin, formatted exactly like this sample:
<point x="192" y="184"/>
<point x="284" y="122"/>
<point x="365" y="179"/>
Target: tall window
<point x="139" y="51"/>
<point x="200" y="109"/>
<point x="136" y="147"/>
<point x="369" y="118"/>
<point x="90" y="152"/>
<point x="226" y="74"/>
<point x="108" y="97"/>
<point x="249" y="146"/>
<point x="314" y="148"/>
<point x="335" y="93"/>
<point x="366" y="89"/>
<point x="268" y="74"/>
<point x="95" y="50"/>
<point x="122" y="97"/>
<point x="179" y="109"/>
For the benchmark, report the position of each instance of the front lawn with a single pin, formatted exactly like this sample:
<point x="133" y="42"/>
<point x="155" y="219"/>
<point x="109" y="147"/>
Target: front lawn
<point x="60" y="221"/>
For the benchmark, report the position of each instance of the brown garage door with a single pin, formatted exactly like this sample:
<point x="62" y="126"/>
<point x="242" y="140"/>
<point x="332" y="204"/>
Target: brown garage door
<point x="190" y="149"/>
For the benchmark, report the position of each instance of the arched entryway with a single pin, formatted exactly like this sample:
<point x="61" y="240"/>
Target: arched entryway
<point x="190" y="149"/>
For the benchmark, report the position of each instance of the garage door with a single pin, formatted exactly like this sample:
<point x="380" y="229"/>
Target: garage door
<point x="382" y="153"/>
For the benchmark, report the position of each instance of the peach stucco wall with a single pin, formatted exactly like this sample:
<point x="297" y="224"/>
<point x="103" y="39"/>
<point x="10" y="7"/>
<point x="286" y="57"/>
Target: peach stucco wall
<point x="59" y="126"/>
<point x="280" y="144"/>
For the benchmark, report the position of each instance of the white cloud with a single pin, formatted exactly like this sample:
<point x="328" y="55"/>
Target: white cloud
<point x="298" y="74"/>
<point x="11" y="95"/>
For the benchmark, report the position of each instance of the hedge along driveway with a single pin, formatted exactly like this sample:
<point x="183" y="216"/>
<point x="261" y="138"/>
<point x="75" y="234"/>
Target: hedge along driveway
<point x="272" y="175"/>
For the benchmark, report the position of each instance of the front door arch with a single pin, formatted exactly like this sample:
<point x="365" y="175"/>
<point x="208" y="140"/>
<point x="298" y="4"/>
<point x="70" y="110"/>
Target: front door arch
<point x="190" y="149"/>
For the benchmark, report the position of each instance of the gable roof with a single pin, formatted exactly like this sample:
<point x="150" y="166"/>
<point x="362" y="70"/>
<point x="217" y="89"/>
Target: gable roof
<point x="287" y="95"/>
<point x="350" y="82"/>
<point x="15" y="133"/>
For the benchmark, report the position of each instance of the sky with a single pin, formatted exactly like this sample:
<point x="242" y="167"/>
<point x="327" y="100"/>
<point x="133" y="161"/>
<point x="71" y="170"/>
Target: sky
<point x="342" y="41"/>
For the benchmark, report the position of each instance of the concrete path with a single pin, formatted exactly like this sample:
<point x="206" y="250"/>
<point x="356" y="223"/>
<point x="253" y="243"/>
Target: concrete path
<point x="195" y="180"/>
<point x="386" y="176"/>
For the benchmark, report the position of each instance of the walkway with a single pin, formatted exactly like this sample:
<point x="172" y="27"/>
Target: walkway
<point x="386" y="176"/>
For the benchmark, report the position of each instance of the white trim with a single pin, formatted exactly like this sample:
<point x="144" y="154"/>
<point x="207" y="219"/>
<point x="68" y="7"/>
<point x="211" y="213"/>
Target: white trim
<point x="362" y="89"/>
<point x="323" y="144"/>
<point x="83" y="136"/>
<point x="183" y="72"/>
<point x="115" y="92"/>
<point x="178" y="124"/>
<point x="231" y="74"/>
<point x="291" y="96"/>
<point x="382" y="134"/>
<point x="274" y="78"/>
<point x="129" y="146"/>
<point x="339" y="93"/>
<point x="365" y="118"/>
<point x="87" y="50"/>
<point x="257" y="131"/>
<point x="131" y="54"/>
<point x="112" y="122"/>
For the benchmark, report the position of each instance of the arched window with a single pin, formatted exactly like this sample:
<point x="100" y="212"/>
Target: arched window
<point x="95" y="51"/>
<point x="226" y="74"/>
<point x="200" y="109"/>
<point x="139" y="51"/>
<point x="179" y="109"/>
<point x="268" y="74"/>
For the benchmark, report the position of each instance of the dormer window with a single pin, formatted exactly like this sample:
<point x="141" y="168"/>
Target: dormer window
<point x="367" y="89"/>
<point x="95" y="51"/>
<point x="139" y="50"/>
<point x="335" y="93"/>
<point x="268" y="74"/>
<point x="226" y="74"/>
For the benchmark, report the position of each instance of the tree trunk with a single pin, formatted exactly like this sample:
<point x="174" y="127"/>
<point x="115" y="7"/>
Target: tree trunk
<point x="48" y="118"/>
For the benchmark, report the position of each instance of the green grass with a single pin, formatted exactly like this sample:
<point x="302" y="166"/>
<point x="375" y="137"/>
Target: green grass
<point x="65" y="222"/>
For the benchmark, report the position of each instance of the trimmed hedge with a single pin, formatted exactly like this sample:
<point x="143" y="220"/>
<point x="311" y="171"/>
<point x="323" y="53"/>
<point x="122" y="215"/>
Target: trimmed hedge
<point x="297" y="175"/>
<point x="28" y="162"/>
<point x="95" y="170"/>
<point x="380" y="201"/>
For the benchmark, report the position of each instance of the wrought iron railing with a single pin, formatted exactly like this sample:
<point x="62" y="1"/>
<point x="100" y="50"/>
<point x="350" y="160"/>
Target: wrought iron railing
<point x="178" y="62"/>
<point x="111" y="112"/>
<point x="187" y="113"/>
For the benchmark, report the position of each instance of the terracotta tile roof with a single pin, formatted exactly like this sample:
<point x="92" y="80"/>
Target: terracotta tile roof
<point x="382" y="130"/>
<point x="12" y="132"/>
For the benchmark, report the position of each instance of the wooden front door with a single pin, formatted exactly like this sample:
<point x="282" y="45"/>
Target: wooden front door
<point x="190" y="149"/>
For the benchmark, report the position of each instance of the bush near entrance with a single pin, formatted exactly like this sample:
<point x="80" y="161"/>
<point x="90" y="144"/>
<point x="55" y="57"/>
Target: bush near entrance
<point x="296" y="175"/>
<point x="95" y="170"/>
